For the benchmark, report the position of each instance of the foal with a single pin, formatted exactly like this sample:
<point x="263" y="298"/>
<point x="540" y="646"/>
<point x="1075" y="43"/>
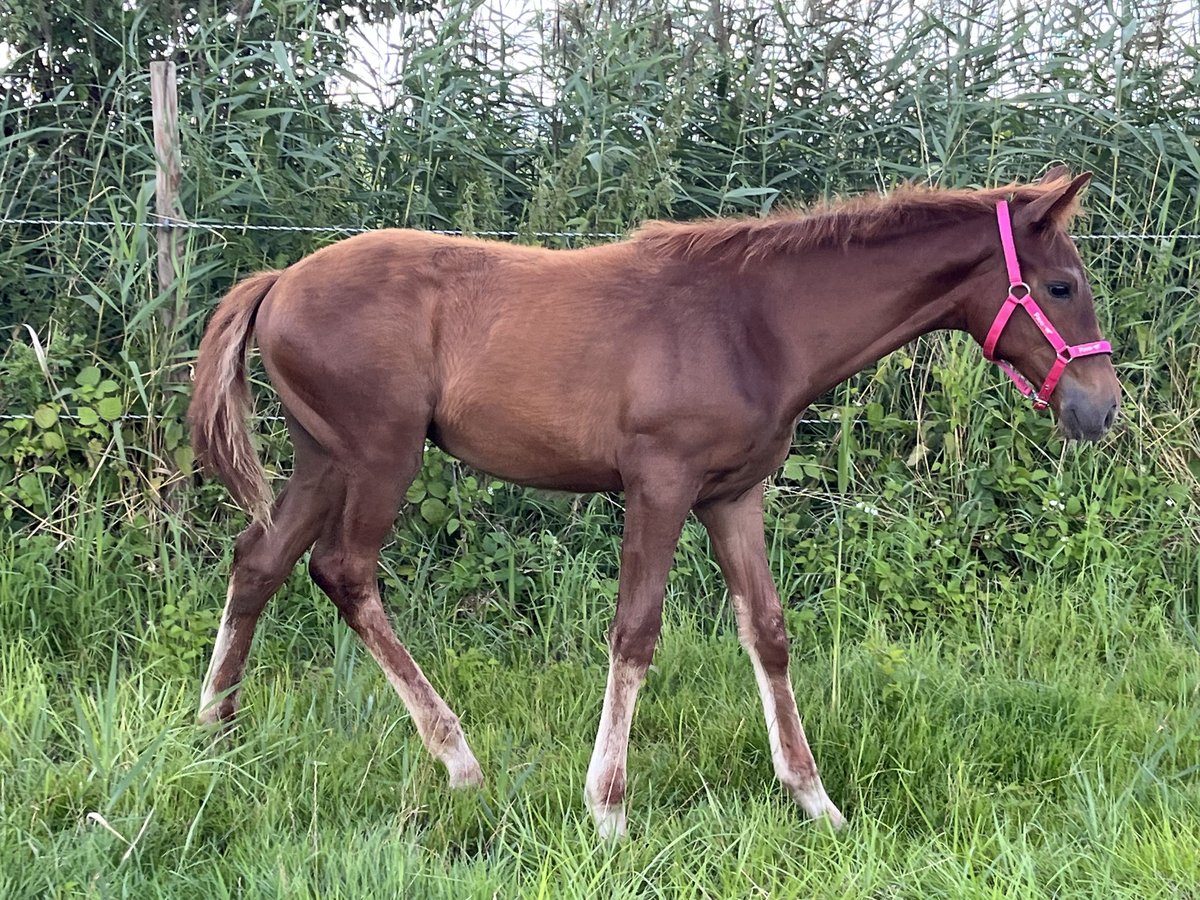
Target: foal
<point x="671" y="366"/>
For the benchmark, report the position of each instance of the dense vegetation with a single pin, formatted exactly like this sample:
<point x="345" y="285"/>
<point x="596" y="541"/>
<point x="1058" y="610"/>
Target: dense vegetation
<point x="995" y="633"/>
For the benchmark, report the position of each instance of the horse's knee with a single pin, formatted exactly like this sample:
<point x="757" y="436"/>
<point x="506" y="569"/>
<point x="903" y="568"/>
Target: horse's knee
<point x="763" y="634"/>
<point x="633" y="636"/>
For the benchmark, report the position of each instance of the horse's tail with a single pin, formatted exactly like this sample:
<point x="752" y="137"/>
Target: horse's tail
<point x="221" y="398"/>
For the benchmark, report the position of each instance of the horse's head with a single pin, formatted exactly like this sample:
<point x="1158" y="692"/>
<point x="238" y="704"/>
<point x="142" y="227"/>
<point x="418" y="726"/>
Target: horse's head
<point x="1039" y="323"/>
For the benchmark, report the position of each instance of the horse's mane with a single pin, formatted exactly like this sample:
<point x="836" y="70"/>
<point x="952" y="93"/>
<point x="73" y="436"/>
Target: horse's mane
<point x="839" y="222"/>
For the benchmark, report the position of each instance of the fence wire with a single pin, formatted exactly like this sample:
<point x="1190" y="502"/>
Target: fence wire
<point x="165" y="222"/>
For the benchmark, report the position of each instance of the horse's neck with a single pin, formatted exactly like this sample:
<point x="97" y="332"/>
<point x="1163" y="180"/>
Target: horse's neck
<point x="838" y="310"/>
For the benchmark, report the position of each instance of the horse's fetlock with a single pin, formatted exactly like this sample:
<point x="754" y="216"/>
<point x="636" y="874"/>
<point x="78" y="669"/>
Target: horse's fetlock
<point x="608" y="790"/>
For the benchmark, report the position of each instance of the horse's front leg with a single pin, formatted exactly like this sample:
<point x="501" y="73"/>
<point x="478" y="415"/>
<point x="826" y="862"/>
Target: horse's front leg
<point x="657" y="501"/>
<point x="736" y="530"/>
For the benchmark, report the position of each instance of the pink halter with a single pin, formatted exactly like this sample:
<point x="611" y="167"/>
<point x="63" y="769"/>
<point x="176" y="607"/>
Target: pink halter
<point x="1020" y="295"/>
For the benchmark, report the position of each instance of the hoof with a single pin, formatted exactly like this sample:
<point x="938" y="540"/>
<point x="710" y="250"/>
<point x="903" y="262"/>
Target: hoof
<point x="208" y="719"/>
<point x="215" y="718"/>
<point x="217" y="709"/>
<point x="463" y="769"/>
<point x="466" y="778"/>
<point x="816" y="803"/>
<point x="610" y="821"/>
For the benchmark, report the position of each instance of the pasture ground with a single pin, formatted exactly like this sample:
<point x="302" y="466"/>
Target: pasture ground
<point x="1046" y="747"/>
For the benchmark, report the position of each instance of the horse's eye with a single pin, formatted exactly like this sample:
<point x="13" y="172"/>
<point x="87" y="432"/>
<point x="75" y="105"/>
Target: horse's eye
<point x="1059" y="290"/>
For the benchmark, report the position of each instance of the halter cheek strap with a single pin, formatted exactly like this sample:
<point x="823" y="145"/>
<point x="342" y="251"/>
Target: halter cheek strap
<point x="1020" y="295"/>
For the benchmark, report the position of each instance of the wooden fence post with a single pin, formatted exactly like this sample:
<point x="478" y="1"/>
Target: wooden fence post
<point x="170" y="242"/>
<point x="164" y="108"/>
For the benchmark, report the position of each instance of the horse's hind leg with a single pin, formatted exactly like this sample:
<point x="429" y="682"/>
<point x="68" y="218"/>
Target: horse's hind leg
<point x="736" y="530"/>
<point x="344" y="563"/>
<point x="262" y="560"/>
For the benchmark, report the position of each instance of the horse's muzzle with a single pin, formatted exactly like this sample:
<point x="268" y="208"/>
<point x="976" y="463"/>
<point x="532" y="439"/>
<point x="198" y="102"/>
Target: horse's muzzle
<point x="1086" y="416"/>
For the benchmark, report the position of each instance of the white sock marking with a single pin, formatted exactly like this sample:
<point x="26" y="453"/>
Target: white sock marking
<point x="208" y="693"/>
<point x="612" y="744"/>
<point x="808" y="792"/>
<point x="446" y="743"/>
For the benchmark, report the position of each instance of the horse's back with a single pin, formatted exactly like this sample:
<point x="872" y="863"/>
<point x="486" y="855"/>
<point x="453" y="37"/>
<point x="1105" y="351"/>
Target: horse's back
<point x="543" y="367"/>
<point x="480" y="339"/>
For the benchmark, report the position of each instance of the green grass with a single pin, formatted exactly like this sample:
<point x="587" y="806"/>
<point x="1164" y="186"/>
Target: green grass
<point x="1047" y="747"/>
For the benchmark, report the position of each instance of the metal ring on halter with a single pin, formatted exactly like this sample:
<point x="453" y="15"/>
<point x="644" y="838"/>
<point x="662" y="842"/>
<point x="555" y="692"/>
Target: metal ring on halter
<point x="1019" y="284"/>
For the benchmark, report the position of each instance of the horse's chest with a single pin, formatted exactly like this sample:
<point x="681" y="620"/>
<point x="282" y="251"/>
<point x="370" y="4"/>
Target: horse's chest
<point x="743" y="461"/>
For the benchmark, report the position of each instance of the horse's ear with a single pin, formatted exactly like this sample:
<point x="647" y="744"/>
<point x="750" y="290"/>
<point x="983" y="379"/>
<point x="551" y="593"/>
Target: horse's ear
<point x="1055" y="173"/>
<point x="1057" y="205"/>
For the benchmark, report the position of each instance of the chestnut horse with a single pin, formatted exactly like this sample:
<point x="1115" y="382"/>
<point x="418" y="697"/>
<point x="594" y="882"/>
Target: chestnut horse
<point x="671" y="366"/>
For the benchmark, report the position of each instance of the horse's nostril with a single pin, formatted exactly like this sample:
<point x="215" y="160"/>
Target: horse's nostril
<point x="1108" y="419"/>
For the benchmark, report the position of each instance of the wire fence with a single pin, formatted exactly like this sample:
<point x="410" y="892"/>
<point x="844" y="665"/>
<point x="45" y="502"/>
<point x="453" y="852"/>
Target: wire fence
<point x="165" y="222"/>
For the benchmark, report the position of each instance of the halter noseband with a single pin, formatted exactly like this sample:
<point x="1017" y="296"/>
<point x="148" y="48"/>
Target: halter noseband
<point x="1020" y="295"/>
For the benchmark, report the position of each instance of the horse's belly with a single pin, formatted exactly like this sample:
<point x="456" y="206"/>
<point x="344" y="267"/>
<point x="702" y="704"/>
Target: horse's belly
<point x="527" y="457"/>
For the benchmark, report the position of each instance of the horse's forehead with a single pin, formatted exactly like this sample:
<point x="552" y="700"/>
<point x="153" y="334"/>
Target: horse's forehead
<point x="1058" y="249"/>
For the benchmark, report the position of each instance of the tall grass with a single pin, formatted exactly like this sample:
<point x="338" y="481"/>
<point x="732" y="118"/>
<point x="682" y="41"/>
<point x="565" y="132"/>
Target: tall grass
<point x="1045" y="746"/>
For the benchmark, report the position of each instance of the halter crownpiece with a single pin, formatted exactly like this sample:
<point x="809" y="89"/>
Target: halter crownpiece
<point x="1020" y="295"/>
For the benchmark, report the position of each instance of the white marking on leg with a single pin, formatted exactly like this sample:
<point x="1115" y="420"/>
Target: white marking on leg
<point x="604" y="790"/>
<point x="438" y="726"/>
<point x="225" y="633"/>
<point x="806" y="789"/>
<point x="461" y="765"/>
